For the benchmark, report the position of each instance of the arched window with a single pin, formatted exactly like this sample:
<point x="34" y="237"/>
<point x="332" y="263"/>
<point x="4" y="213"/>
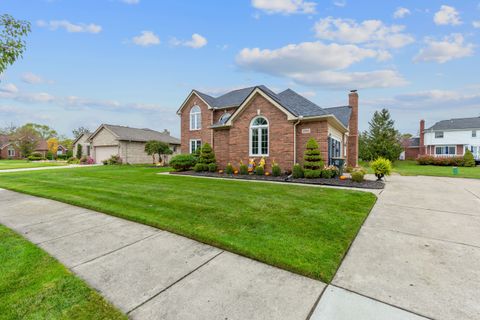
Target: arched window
<point x="195" y="118"/>
<point x="259" y="137"/>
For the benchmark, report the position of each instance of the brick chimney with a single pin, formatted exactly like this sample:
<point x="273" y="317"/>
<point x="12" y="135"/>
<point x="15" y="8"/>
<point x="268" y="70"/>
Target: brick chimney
<point x="352" y="146"/>
<point x="422" y="137"/>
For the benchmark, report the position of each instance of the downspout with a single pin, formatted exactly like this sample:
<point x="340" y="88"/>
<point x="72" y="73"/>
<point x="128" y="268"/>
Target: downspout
<point x="295" y="139"/>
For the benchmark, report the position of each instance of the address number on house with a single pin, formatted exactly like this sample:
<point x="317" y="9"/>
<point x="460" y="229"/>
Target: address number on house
<point x="306" y="130"/>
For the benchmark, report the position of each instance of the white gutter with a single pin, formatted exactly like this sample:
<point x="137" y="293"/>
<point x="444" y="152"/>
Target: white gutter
<point x="295" y="139"/>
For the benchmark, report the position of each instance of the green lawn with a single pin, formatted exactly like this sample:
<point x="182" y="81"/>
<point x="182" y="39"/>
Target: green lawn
<point x="303" y="229"/>
<point x="33" y="285"/>
<point x="19" y="164"/>
<point x="411" y="168"/>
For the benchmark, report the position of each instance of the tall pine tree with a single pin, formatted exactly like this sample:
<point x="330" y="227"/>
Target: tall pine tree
<point x="382" y="139"/>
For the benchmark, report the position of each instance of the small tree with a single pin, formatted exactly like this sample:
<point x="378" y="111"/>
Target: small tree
<point x="79" y="131"/>
<point x="468" y="159"/>
<point x="52" y="145"/>
<point x="162" y="150"/>
<point x="79" y="151"/>
<point x="207" y="155"/>
<point x="154" y="147"/>
<point x="382" y="139"/>
<point x="313" y="162"/>
<point x="26" y="140"/>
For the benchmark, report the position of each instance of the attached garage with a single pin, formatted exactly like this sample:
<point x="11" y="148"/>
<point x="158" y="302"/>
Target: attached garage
<point x="104" y="153"/>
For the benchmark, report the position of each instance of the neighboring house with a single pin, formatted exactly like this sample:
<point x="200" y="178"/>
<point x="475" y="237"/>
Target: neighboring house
<point x="128" y="143"/>
<point x="8" y="149"/>
<point x="61" y="150"/>
<point x="42" y="148"/>
<point x="411" y="148"/>
<point x="84" y="142"/>
<point x="452" y="137"/>
<point x="255" y="122"/>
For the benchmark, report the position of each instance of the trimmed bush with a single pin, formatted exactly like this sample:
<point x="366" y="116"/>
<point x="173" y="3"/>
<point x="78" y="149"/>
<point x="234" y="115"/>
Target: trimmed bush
<point x="62" y="156"/>
<point x="73" y="160"/>
<point x="183" y="162"/>
<point x="276" y="170"/>
<point x="312" y="159"/>
<point x="212" y="167"/>
<point x="468" y="159"/>
<point x="297" y="171"/>
<point x="260" y="171"/>
<point x="243" y="169"/>
<point x="358" y="176"/>
<point x="199" y="167"/>
<point x="312" y="174"/>
<point x="207" y="155"/>
<point x="441" y="161"/>
<point x="381" y="167"/>
<point x="229" y="168"/>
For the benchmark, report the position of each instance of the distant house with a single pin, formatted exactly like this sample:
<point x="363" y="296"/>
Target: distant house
<point x="126" y="142"/>
<point x="447" y="138"/>
<point x="411" y="148"/>
<point x="84" y="142"/>
<point x="8" y="149"/>
<point x="42" y="147"/>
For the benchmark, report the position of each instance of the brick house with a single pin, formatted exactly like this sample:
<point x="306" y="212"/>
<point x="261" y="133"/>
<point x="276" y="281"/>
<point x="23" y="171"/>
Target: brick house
<point x="8" y="149"/>
<point x="255" y="122"/>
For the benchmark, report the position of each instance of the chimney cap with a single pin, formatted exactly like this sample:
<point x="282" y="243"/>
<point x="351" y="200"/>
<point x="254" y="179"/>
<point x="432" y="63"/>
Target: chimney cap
<point x="353" y="91"/>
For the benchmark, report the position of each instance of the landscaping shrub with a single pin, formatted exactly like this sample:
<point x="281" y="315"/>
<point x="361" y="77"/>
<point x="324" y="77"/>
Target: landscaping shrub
<point x="207" y="155"/>
<point x="36" y="156"/>
<point x="199" y="167"/>
<point x="349" y="169"/>
<point x="312" y="174"/>
<point x="243" y="169"/>
<point x="73" y="160"/>
<point x="49" y="155"/>
<point x="312" y="159"/>
<point x="330" y="172"/>
<point x="276" y="170"/>
<point x="260" y="171"/>
<point x="468" y="159"/>
<point x="441" y="161"/>
<point x="297" y="171"/>
<point x="62" y="157"/>
<point x="357" y="175"/>
<point x="229" y="168"/>
<point x="381" y="167"/>
<point x="114" y="160"/>
<point x="183" y="162"/>
<point x="212" y="167"/>
<point x="79" y="151"/>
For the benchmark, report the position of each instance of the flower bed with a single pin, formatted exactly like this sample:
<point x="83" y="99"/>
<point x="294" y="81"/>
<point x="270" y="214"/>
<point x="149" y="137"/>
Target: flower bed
<point x="366" y="184"/>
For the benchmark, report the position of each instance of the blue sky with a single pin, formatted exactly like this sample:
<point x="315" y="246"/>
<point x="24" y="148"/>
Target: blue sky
<point x="133" y="62"/>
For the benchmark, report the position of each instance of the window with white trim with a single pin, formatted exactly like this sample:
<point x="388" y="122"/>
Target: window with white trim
<point x="195" y="144"/>
<point x="438" y="134"/>
<point x="445" y="150"/>
<point x="195" y="118"/>
<point x="11" y="151"/>
<point x="259" y="137"/>
<point x="474" y="133"/>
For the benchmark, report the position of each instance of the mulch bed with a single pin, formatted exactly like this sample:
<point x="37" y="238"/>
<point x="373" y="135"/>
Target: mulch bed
<point x="367" y="184"/>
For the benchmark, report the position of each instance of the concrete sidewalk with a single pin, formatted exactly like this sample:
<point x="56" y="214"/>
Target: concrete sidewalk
<point x="153" y="274"/>
<point x="69" y="166"/>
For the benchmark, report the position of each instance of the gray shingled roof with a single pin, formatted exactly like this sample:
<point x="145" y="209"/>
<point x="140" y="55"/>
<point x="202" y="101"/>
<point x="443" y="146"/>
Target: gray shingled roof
<point x="414" y="142"/>
<point x="299" y="105"/>
<point x="341" y="113"/>
<point x="140" y="135"/>
<point x="455" y="124"/>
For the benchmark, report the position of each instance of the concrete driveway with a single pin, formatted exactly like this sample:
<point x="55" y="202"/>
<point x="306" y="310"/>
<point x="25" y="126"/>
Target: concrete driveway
<point x="420" y="248"/>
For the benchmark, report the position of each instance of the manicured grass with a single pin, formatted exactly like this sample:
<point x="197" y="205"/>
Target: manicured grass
<point x="303" y="229"/>
<point x="33" y="285"/>
<point x="411" y="168"/>
<point x="19" y="164"/>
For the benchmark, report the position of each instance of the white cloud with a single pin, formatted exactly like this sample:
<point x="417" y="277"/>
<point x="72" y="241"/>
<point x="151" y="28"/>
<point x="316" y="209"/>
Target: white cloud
<point x="32" y="78"/>
<point x="285" y="6"/>
<point x="196" y="42"/>
<point x="317" y="64"/>
<point x="401" y="13"/>
<point x="8" y="89"/>
<point x="131" y="1"/>
<point x="476" y="24"/>
<point x="146" y="39"/>
<point x="340" y="3"/>
<point x="449" y="48"/>
<point x="447" y="16"/>
<point x="69" y="27"/>
<point x="370" y="32"/>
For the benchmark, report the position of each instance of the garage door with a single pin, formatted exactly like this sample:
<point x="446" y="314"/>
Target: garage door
<point x="104" y="153"/>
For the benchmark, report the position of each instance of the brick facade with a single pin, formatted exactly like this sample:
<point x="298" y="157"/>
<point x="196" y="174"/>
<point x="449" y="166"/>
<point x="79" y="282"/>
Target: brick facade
<point x="231" y="144"/>
<point x="352" y="142"/>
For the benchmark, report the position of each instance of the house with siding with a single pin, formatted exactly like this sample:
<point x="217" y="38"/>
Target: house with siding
<point x="256" y="122"/>
<point x="126" y="142"/>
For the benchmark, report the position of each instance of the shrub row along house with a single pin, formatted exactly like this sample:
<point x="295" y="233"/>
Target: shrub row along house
<point x="255" y="123"/>
<point x="446" y="138"/>
<point x="127" y="143"/>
